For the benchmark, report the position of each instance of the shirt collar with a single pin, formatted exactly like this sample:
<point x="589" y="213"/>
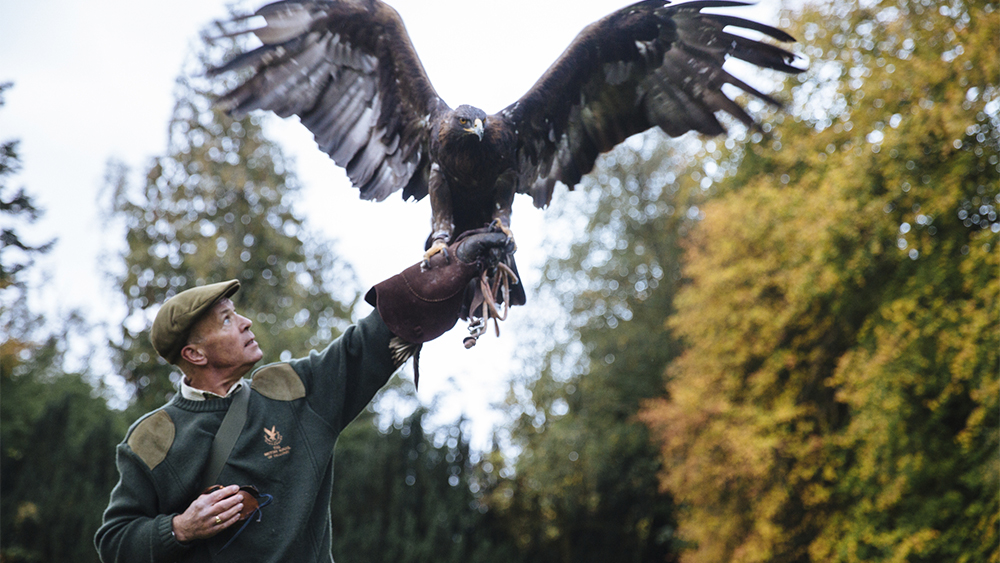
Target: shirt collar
<point x="193" y="394"/>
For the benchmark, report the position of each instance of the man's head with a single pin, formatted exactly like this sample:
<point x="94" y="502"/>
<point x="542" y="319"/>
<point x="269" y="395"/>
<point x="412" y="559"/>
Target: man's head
<point x="221" y="341"/>
<point x="200" y="327"/>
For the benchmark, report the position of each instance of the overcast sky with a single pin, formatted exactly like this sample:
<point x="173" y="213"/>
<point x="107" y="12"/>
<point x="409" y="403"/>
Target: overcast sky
<point x="95" y="81"/>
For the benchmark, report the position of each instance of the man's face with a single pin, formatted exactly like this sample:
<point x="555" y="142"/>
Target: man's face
<point x="224" y="337"/>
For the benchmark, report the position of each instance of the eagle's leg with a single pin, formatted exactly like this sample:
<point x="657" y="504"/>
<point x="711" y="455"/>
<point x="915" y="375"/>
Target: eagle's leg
<point x="505" y="187"/>
<point x="442" y="217"/>
<point x="502" y="223"/>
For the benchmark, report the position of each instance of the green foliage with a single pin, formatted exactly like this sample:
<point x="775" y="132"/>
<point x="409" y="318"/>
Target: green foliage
<point x="58" y="461"/>
<point x="585" y="482"/>
<point x="837" y="399"/>
<point x="407" y="495"/>
<point x="219" y="207"/>
<point x="17" y="208"/>
<point x="56" y="437"/>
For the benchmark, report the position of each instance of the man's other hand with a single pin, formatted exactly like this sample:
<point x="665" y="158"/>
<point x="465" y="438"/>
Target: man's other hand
<point x="209" y="514"/>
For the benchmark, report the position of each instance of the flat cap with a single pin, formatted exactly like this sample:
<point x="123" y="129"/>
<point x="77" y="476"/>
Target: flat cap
<point x="176" y="317"/>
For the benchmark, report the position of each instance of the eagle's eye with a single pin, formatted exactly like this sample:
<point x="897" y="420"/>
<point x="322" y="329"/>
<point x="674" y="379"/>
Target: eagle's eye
<point x="463" y="121"/>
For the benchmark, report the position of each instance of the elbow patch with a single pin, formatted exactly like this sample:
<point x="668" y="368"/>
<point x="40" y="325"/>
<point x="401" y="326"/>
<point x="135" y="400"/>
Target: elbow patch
<point x="152" y="438"/>
<point x="278" y="382"/>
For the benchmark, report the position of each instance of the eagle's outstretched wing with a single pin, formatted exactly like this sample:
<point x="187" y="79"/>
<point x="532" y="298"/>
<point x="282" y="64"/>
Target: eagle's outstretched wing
<point x="350" y="73"/>
<point x="649" y="64"/>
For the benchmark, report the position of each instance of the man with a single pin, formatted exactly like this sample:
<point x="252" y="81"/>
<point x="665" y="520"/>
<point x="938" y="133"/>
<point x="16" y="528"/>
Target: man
<point x="160" y="511"/>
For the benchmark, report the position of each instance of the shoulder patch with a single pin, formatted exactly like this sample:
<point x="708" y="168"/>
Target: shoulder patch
<point x="278" y="382"/>
<point x="152" y="438"/>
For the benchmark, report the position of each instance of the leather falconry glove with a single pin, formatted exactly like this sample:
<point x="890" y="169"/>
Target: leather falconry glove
<point x="419" y="305"/>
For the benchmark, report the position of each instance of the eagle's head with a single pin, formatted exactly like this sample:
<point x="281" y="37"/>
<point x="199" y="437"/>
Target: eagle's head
<point x="468" y="120"/>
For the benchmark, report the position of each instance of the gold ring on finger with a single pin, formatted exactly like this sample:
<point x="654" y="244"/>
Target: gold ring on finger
<point x="218" y="520"/>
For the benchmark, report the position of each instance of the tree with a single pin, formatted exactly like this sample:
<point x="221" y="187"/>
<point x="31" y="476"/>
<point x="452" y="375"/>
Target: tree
<point x="57" y="437"/>
<point x="585" y="481"/>
<point x="408" y="495"/>
<point x="16" y="206"/>
<point x="58" y="460"/>
<point x="15" y="254"/>
<point x="837" y="397"/>
<point x="218" y="206"/>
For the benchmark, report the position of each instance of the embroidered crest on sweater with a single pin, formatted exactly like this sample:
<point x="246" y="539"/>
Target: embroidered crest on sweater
<point x="273" y="438"/>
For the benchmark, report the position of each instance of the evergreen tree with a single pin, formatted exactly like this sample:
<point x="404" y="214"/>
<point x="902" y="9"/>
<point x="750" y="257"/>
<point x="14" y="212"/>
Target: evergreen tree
<point x="17" y="207"/>
<point x="56" y="437"/>
<point x="586" y="480"/>
<point x="407" y="495"/>
<point x="218" y="206"/>
<point x="57" y="460"/>
<point x="837" y="399"/>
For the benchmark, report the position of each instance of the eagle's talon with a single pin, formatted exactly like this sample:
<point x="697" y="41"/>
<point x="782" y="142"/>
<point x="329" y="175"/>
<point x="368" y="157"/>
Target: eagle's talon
<point x="439" y="245"/>
<point x="498" y="224"/>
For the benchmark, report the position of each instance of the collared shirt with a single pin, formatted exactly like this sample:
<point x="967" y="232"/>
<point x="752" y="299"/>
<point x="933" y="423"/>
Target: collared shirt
<point x="192" y="394"/>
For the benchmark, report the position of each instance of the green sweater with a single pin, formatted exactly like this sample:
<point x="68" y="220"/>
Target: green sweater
<point x="295" y="413"/>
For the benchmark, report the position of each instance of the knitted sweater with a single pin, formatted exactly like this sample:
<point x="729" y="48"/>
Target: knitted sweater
<point x="295" y="413"/>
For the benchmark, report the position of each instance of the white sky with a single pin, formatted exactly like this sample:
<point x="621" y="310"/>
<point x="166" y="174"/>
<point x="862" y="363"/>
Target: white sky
<point x="95" y="80"/>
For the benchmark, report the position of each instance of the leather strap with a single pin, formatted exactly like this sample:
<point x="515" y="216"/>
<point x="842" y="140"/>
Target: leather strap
<point x="225" y="438"/>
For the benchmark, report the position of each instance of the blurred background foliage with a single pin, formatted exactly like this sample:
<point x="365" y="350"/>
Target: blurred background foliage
<point x="837" y="395"/>
<point x="777" y="346"/>
<point x="219" y="206"/>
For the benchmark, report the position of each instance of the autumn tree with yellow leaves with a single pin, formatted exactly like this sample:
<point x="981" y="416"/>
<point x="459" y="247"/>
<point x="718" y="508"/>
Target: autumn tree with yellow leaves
<point x="838" y="396"/>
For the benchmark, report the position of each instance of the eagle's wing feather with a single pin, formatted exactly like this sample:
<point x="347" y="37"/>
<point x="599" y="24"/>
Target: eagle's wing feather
<point x="649" y="64"/>
<point x="350" y="73"/>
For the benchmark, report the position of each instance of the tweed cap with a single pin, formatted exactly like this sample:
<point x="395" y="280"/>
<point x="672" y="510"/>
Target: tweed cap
<point x="176" y="317"/>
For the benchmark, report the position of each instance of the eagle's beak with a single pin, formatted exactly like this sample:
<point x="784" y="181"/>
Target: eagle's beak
<point x="477" y="128"/>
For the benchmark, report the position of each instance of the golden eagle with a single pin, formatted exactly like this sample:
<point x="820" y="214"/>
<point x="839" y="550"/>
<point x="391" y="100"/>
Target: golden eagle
<point x="348" y="70"/>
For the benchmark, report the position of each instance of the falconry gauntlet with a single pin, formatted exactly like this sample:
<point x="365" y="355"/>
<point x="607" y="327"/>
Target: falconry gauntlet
<point x="420" y="304"/>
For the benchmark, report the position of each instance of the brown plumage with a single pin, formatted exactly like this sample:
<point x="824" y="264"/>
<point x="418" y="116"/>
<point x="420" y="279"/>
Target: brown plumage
<point x="347" y="68"/>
